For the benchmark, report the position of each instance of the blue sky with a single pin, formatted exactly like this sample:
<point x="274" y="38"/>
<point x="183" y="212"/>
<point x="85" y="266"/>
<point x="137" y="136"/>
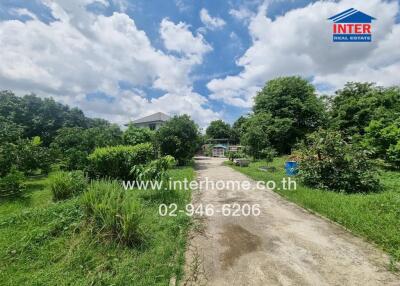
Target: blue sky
<point x="120" y="59"/>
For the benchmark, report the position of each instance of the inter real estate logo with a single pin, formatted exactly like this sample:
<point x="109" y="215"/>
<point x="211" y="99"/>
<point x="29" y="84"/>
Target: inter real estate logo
<point x="352" y="26"/>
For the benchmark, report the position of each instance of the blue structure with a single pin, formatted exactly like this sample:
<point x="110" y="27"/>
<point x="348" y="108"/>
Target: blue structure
<point x="291" y="168"/>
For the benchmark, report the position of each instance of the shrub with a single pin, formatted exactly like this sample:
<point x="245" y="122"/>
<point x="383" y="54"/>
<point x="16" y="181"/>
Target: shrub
<point x="12" y="185"/>
<point x="65" y="185"/>
<point x="235" y="155"/>
<point x="135" y="135"/>
<point x="329" y="162"/>
<point x="116" y="162"/>
<point x="393" y="155"/>
<point x="113" y="212"/>
<point x="268" y="154"/>
<point x="156" y="170"/>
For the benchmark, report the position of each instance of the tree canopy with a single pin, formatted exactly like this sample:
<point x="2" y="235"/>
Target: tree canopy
<point x="178" y="137"/>
<point x="290" y="101"/>
<point x="218" y="129"/>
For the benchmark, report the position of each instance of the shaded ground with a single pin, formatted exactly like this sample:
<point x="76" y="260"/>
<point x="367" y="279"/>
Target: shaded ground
<point x="284" y="245"/>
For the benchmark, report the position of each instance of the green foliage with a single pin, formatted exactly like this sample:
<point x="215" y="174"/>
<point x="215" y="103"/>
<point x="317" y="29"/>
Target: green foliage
<point x="238" y="130"/>
<point x="113" y="212"/>
<point x="235" y="155"/>
<point x="329" y="162"/>
<point x="268" y="154"/>
<point x="12" y="184"/>
<point x="134" y="135"/>
<point x="219" y="129"/>
<point x="39" y="117"/>
<point x="9" y="131"/>
<point x="381" y="138"/>
<point x="65" y="185"/>
<point x="156" y="170"/>
<point x="72" y="145"/>
<point x="265" y="131"/>
<point x="178" y="137"/>
<point x="393" y="154"/>
<point x="357" y="104"/>
<point x="26" y="155"/>
<point x="116" y="162"/>
<point x="290" y="100"/>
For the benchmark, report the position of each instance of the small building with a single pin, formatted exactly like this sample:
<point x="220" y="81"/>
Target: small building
<point x="153" y="121"/>
<point x="218" y="150"/>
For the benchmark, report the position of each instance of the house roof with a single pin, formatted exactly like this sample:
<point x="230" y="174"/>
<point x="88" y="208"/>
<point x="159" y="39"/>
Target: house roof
<point x="352" y="16"/>
<point x="159" y="116"/>
<point x="219" y="146"/>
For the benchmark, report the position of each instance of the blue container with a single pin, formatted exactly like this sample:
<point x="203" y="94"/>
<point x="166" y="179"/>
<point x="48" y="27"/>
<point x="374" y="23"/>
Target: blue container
<point x="291" y="168"/>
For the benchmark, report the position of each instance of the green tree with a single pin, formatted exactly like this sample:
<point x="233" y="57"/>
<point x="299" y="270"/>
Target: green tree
<point x="293" y="99"/>
<point x="218" y="129"/>
<point x="238" y="129"/>
<point x="357" y="104"/>
<point x="72" y="145"/>
<point x="134" y="135"/>
<point x="179" y="138"/>
<point x="264" y="131"/>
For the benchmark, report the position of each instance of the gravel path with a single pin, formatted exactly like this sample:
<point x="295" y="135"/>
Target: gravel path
<point x="284" y="245"/>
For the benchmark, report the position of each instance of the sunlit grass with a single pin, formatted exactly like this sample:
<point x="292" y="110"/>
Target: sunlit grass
<point x="47" y="243"/>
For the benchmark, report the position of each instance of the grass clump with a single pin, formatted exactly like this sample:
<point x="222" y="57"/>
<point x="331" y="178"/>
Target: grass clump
<point x="65" y="185"/>
<point x="113" y="212"/>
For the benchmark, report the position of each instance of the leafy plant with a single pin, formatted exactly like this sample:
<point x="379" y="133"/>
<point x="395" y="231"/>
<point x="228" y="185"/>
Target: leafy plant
<point x="327" y="161"/>
<point x="268" y="154"/>
<point x="116" y="162"/>
<point x="113" y="212"/>
<point x="156" y="170"/>
<point x="235" y="155"/>
<point x="65" y="185"/>
<point x="12" y="184"/>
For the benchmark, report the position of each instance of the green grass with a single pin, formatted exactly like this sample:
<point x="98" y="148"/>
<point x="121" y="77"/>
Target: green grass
<point x="47" y="243"/>
<point x="374" y="216"/>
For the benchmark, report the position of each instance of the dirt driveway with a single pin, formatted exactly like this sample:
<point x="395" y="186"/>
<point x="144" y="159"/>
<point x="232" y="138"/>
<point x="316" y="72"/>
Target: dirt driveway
<point x="284" y="245"/>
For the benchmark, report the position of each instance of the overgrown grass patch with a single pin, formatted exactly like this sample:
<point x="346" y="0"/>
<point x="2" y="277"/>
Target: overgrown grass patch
<point x="52" y="245"/>
<point x="375" y="216"/>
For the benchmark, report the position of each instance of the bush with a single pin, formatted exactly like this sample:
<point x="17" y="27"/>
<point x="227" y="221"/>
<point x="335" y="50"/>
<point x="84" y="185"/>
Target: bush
<point x="116" y="162"/>
<point x="268" y="154"/>
<point x="135" y="135"/>
<point x="329" y="162"/>
<point x="12" y="185"/>
<point x="65" y="185"/>
<point x="393" y="155"/>
<point x="235" y="155"/>
<point x="154" y="171"/>
<point x="113" y="212"/>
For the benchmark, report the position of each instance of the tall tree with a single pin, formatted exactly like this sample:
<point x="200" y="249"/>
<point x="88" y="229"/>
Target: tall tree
<point x="218" y="129"/>
<point x="179" y="138"/>
<point x="357" y="104"/>
<point x="292" y="98"/>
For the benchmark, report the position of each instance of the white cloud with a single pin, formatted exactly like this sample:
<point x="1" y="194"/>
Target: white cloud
<point x="81" y="53"/>
<point x="23" y="12"/>
<point x="241" y="14"/>
<point x="177" y="37"/>
<point x="210" y="22"/>
<point x="300" y="43"/>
